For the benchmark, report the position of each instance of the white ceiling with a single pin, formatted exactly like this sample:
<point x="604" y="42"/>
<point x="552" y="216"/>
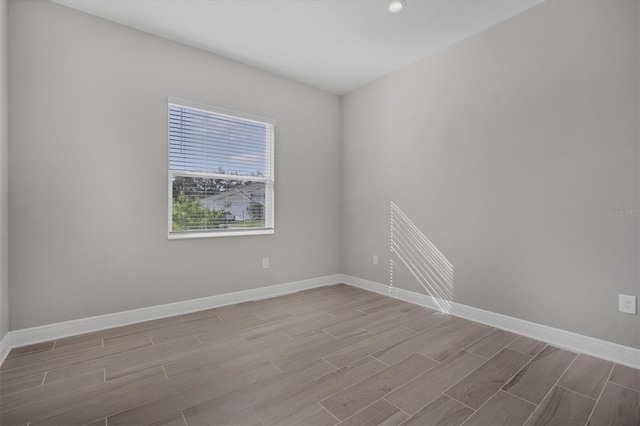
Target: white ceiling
<point x="336" y="45"/>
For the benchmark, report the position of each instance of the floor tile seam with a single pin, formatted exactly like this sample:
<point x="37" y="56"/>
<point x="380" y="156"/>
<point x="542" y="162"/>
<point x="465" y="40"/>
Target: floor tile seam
<point x="399" y="408"/>
<point x="577" y="393"/>
<point x="459" y="402"/>
<point x="532" y="359"/>
<point x="593" y="409"/>
<point x="465" y="347"/>
<point x="500" y="350"/>
<point x="525" y="353"/>
<point x="278" y="396"/>
<point x="414" y="352"/>
<point x="163" y="372"/>
<point x="48" y="398"/>
<point x="369" y="355"/>
<point x="551" y="388"/>
<point x="352" y="384"/>
<point x="56" y="359"/>
<point x="622" y="386"/>
<point x="468" y="406"/>
<point x="519" y="397"/>
<point x="420" y="374"/>
<point x="60" y="394"/>
<point x="425" y="372"/>
<point x="153" y="401"/>
<point x="479" y="339"/>
<point x="368" y="377"/>
<point x="449" y="388"/>
<point x="384" y="331"/>
<point x="357" y="412"/>
<point x="327" y="410"/>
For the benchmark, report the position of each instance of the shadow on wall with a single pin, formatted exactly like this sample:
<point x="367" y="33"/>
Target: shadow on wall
<point x="425" y="262"/>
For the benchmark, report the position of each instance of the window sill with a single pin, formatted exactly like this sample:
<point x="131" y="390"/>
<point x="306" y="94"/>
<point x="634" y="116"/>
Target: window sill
<point x="239" y="233"/>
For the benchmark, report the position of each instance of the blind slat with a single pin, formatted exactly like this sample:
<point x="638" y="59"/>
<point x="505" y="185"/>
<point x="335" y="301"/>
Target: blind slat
<point x="204" y="143"/>
<point x="208" y="142"/>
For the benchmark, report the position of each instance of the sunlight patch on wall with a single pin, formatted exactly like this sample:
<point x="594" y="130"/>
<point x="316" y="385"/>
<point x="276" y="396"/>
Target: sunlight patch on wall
<point x="425" y="262"/>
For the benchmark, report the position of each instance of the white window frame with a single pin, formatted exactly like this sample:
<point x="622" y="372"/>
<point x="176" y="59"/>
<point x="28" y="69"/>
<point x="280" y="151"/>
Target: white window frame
<point x="268" y="178"/>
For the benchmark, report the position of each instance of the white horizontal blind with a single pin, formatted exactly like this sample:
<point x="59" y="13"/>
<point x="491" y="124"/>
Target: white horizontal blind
<point x="220" y="172"/>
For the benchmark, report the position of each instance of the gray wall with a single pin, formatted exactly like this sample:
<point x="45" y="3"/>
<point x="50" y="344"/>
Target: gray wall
<point x="4" y="175"/>
<point x="505" y="150"/>
<point x="88" y="188"/>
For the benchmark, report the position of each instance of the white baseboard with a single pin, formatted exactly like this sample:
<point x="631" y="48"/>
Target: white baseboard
<point x="620" y="354"/>
<point x="29" y="336"/>
<point x="572" y="341"/>
<point x="4" y="348"/>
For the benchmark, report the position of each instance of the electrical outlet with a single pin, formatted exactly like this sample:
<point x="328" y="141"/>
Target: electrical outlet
<point x="265" y="262"/>
<point x="375" y="259"/>
<point x="627" y="304"/>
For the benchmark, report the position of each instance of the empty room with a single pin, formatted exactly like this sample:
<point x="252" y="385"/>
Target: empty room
<point x="319" y="212"/>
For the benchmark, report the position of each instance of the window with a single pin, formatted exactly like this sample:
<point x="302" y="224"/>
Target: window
<point x="220" y="172"/>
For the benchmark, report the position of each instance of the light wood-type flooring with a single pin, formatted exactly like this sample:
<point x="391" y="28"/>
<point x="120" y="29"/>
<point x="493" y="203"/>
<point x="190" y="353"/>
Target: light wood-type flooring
<point x="326" y="356"/>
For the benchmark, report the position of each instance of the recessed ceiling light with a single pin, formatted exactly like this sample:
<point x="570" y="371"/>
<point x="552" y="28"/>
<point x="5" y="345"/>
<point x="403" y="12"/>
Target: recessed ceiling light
<point x="396" y="6"/>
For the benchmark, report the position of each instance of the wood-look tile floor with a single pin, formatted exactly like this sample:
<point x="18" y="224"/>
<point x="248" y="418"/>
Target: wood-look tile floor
<point x="327" y="356"/>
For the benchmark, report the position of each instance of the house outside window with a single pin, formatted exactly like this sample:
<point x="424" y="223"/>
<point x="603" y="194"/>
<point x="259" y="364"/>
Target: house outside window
<point x="220" y="172"/>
